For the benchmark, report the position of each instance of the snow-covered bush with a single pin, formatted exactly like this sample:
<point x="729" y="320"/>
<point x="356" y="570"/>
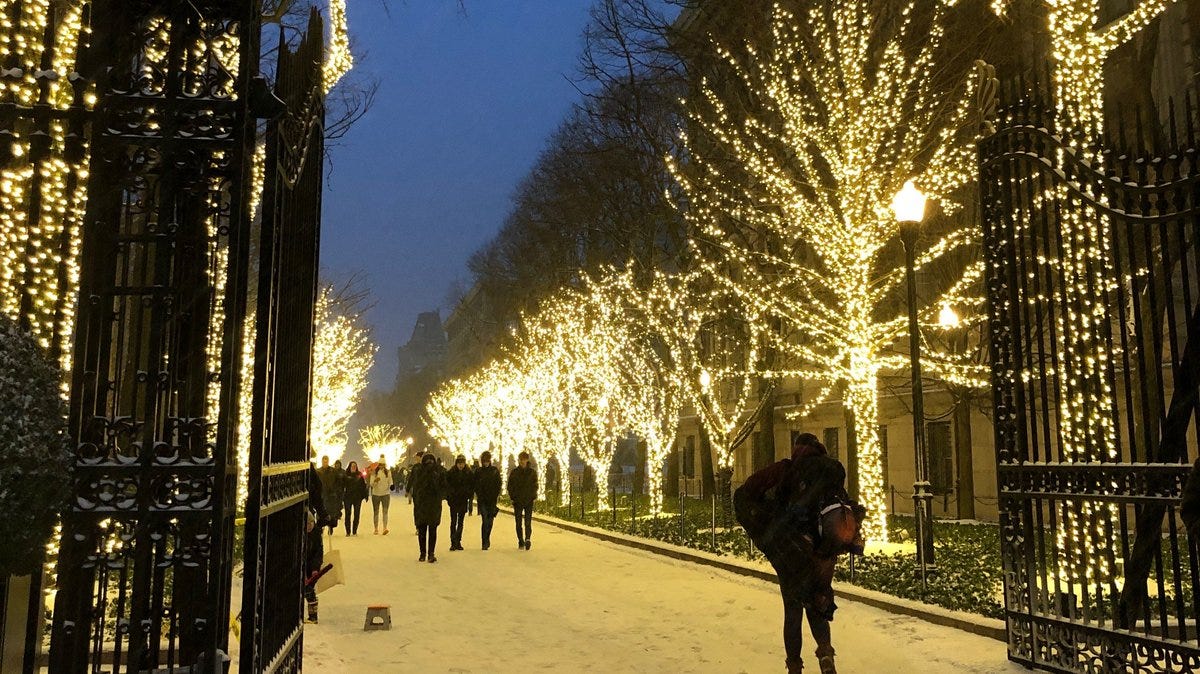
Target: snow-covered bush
<point x="34" y="461"/>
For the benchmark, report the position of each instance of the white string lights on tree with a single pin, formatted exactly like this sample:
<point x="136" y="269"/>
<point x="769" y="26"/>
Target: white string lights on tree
<point x="798" y="225"/>
<point x="338" y="58"/>
<point x="1080" y="46"/>
<point x="342" y="356"/>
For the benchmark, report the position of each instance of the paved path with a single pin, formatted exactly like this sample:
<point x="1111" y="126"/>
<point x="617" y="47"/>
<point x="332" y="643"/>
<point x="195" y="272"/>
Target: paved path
<point x="575" y="604"/>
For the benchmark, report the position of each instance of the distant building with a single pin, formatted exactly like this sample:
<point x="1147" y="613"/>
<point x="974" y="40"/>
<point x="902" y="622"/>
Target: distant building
<point x="424" y="355"/>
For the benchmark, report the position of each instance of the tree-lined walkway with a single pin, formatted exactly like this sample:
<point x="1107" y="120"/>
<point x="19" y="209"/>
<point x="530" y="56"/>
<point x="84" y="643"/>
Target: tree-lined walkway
<point x="574" y="604"/>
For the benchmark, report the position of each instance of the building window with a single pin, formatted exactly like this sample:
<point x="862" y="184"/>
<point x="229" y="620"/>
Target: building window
<point x="830" y="439"/>
<point x="883" y="456"/>
<point x="689" y="456"/>
<point x="941" y="457"/>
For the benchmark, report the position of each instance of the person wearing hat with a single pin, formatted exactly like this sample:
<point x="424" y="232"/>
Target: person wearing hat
<point x="459" y="486"/>
<point x="522" y="489"/>
<point x="428" y="490"/>
<point x="487" y="492"/>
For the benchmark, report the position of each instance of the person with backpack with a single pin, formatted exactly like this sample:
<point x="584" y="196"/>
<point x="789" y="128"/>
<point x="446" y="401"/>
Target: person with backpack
<point x="797" y="512"/>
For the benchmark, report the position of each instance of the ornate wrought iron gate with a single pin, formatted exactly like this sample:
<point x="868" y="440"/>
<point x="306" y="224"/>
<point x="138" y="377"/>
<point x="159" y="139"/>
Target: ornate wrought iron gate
<point x="287" y="286"/>
<point x="145" y="559"/>
<point x="1099" y="574"/>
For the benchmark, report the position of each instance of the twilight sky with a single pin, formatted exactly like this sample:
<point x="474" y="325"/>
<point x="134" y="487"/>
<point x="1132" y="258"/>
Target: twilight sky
<point x="465" y="105"/>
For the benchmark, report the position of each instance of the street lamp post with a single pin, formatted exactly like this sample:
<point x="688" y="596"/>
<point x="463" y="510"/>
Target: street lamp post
<point x="909" y="209"/>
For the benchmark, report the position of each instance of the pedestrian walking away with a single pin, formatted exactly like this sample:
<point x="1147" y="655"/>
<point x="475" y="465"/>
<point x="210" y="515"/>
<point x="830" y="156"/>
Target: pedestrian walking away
<point x="353" y="495"/>
<point x="798" y="513"/>
<point x="522" y="489"/>
<point x="333" y="483"/>
<point x="428" y="488"/>
<point x="381" y="493"/>
<point x="459" y="487"/>
<point x="487" y="493"/>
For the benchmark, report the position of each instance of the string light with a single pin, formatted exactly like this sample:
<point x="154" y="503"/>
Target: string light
<point x="1080" y="46"/>
<point x="342" y="356"/>
<point x="386" y="440"/>
<point x="338" y="58"/>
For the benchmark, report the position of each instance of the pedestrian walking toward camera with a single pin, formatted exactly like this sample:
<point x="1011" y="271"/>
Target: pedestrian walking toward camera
<point x="459" y="487"/>
<point x="353" y="495"/>
<point x="798" y="513"/>
<point x="487" y="493"/>
<point x="381" y="493"/>
<point x="412" y="473"/>
<point x="522" y="489"/>
<point x="332" y="486"/>
<point x="428" y="487"/>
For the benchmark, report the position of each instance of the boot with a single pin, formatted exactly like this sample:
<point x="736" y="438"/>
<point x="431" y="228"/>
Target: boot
<point x="312" y="612"/>
<point x="795" y="666"/>
<point x="826" y="662"/>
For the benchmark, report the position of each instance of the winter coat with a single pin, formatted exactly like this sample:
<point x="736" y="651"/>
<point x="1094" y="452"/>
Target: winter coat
<point x="487" y="488"/>
<point x="355" y="488"/>
<point x="333" y="484"/>
<point x="381" y="482"/>
<point x="428" y="489"/>
<point x="522" y="485"/>
<point x="460" y="484"/>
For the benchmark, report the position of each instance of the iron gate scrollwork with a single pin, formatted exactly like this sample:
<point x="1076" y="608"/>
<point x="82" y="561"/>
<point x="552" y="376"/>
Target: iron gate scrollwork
<point x="287" y="287"/>
<point x="1099" y="574"/>
<point x="145" y="558"/>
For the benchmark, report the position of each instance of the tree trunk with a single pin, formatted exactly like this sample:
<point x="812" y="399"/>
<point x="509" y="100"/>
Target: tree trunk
<point x="765" y="450"/>
<point x="708" y="483"/>
<point x="851" y="454"/>
<point x="671" y="485"/>
<point x="639" y="469"/>
<point x="862" y="400"/>
<point x="964" y="458"/>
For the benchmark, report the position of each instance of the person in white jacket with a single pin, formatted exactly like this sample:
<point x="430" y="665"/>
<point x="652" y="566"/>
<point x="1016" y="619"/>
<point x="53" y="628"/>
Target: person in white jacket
<point x="381" y="493"/>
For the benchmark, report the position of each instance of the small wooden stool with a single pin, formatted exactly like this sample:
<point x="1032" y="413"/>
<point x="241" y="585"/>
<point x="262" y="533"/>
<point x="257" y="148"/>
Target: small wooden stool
<point x="379" y="617"/>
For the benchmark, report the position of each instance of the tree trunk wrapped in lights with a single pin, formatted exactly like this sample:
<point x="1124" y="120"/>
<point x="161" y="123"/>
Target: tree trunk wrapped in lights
<point x="789" y="196"/>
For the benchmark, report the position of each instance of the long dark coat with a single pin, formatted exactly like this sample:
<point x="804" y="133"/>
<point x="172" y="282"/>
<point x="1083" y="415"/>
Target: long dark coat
<point x="487" y="488"/>
<point x="356" y="488"/>
<point x="460" y="484"/>
<point x="428" y="491"/>
<point x="522" y="485"/>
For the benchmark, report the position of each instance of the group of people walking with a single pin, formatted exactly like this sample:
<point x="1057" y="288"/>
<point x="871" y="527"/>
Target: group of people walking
<point x="428" y="484"/>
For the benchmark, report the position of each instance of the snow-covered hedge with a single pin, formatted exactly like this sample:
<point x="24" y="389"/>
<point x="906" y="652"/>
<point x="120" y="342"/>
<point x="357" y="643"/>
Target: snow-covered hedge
<point x="34" y="461"/>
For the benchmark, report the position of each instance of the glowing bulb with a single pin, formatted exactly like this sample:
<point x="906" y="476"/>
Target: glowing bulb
<point x="909" y="204"/>
<point x="705" y="379"/>
<point x="948" y="317"/>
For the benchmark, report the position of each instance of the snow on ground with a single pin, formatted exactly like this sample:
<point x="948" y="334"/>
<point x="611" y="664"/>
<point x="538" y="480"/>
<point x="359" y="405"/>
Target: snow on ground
<point x="576" y="604"/>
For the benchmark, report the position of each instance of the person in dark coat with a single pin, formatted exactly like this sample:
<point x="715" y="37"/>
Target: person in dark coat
<point x="314" y="547"/>
<point x="332" y="486"/>
<point x="354" y="492"/>
<point x="459" y="487"/>
<point x="428" y="487"/>
<point x="794" y="492"/>
<point x="411" y="473"/>
<point x="522" y="489"/>
<point x="487" y="492"/>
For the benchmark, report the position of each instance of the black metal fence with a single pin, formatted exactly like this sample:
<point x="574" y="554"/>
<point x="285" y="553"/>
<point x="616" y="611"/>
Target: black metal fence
<point x="145" y="558"/>
<point x="287" y="288"/>
<point x="1099" y="573"/>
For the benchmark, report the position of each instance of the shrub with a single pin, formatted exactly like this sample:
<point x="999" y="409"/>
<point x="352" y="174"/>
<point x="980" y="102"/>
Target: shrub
<point x="34" y="461"/>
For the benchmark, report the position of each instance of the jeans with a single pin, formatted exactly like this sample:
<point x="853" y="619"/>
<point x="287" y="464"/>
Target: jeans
<point x="385" y="500"/>
<point x="488" y="518"/>
<point x="427" y="538"/>
<point x="523" y="510"/>
<point x="352" y="511"/>
<point x="456" y="526"/>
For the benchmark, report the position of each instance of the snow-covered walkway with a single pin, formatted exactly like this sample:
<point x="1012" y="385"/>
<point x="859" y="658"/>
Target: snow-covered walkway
<point x="576" y="604"/>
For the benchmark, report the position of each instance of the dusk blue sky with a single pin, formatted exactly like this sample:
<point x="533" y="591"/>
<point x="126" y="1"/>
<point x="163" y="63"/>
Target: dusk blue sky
<point x="466" y="103"/>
